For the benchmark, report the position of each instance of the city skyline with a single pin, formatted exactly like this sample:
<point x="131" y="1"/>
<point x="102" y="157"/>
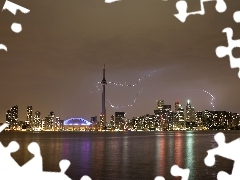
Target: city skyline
<point x="163" y="118"/>
<point x="55" y="63"/>
<point x="187" y="112"/>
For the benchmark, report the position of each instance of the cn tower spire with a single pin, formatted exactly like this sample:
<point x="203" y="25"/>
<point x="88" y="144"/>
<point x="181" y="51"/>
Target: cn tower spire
<point x="103" y="113"/>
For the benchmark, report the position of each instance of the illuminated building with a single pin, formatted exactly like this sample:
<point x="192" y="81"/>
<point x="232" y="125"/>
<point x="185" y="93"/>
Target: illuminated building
<point x="179" y="122"/>
<point x="94" y="120"/>
<point x="59" y="124"/>
<point x="190" y="113"/>
<point x="199" y="115"/>
<point x="112" y="122"/>
<point x="53" y="120"/>
<point x="137" y="123"/>
<point x="12" y="118"/>
<point x="163" y="116"/>
<point x="235" y="121"/>
<point x="36" y="123"/>
<point x="190" y="116"/>
<point x="48" y="122"/>
<point x="219" y="120"/>
<point x="120" y="120"/>
<point x="29" y="115"/>
<point x="207" y="119"/>
<point x="149" y="122"/>
<point x="76" y="124"/>
<point x="103" y="114"/>
<point x="160" y="104"/>
<point x="9" y="117"/>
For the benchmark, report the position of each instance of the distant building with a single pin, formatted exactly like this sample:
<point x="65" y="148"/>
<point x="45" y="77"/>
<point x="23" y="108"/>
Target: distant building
<point x="76" y="124"/>
<point x="190" y="116"/>
<point x="112" y="122"/>
<point x="59" y="124"/>
<point x="235" y="121"/>
<point x="119" y="120"/>
<point x="163" y="116"/>
<point x="160" y="104"/>
<point x="179" y="122"/>
<point x="94" y="120"/>
<point x="29" y="115"/>
<point x="199" y="115"/>
<point x="36" y="123"/>
<point x="12" y="118"/>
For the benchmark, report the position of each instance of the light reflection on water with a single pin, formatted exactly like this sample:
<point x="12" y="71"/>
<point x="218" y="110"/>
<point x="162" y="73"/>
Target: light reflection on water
<point x="124" y="155"/>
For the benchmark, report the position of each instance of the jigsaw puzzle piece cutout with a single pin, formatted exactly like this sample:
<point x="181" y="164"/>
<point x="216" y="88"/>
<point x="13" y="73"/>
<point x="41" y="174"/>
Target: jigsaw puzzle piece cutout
<point x="12" y="7"/>
<point x="220" y="6"/>
<point x="236" y="16"/>
<point x="182" y="11"/>
<point x="34" y="165"/>
<point x="177" y="171"/>
<point x="182" y="7"/>
<point x="3" y="47"/>
<point x="85" y="177"/>
<point x="111" y="1"/>
<point x="7" y="162"/>
<point x="159" y="178"/>
<point x="224" y="176"/>
<point x="2" y="127"/>
<point x="222" y="51"/>
<point x="227" y="150"/>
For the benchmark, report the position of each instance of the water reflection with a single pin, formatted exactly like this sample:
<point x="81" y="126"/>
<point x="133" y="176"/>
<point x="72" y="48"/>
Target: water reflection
<point x="134" y="155"/>
<point x="189" y="146"/>
<point x="178" y="148"/>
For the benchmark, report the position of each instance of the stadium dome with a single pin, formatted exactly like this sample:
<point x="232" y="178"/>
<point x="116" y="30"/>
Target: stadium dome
<point x="76" y="122"/>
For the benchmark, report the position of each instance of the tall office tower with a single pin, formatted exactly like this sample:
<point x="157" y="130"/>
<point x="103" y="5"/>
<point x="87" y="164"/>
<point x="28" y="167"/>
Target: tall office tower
<point x="103" y="113"/>
<point x="8" y="117"/>
<point x="12" y="117"/>
<point x="29" y="115"/>
<point x="58" y="124"/>
<point x="53" y="121"/>
<point x="190" y="113"/>
<point x="162" y="115"/>
<point x="112" y="121"/>
<point x="158" y="114"/>
<point x="177" y="105"/>
<point x="37" y="124"/>
<point x="179" y="116"/>
<point x="160" y="104"/>
<point x="235" y="121"/>
<point x="166" y="116"/>
<point x="190" y="116"/>
<point x="199" y="119"/>
<point x="119" y="120"/>
<point x="14" y="111"/>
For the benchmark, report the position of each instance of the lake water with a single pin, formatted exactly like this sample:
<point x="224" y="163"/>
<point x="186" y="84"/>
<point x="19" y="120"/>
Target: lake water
<point x="124" y="155"/>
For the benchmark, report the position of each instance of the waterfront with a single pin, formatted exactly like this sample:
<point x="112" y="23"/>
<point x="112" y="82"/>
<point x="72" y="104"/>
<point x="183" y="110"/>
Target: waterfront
<point x="124" y="155"/>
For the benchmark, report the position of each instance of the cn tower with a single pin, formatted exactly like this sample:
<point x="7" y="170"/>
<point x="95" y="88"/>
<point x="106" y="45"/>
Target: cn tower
<point x="103" y="114"/>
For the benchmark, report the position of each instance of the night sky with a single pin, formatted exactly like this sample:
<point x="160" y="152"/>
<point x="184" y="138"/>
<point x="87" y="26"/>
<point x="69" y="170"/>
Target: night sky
<point x="56" y="62"/>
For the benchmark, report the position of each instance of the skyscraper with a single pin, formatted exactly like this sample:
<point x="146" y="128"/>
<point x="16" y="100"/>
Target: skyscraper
<point x="190" y="116"/>
<point x="120" y="120"/>
<point x="12" y="117"/>
<point x="103" y="113"/>
<point x="160" y="104"/>
<point x="37" y="124"/>
<point x="29" y="115"/>
<point x="179" y="116"/>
